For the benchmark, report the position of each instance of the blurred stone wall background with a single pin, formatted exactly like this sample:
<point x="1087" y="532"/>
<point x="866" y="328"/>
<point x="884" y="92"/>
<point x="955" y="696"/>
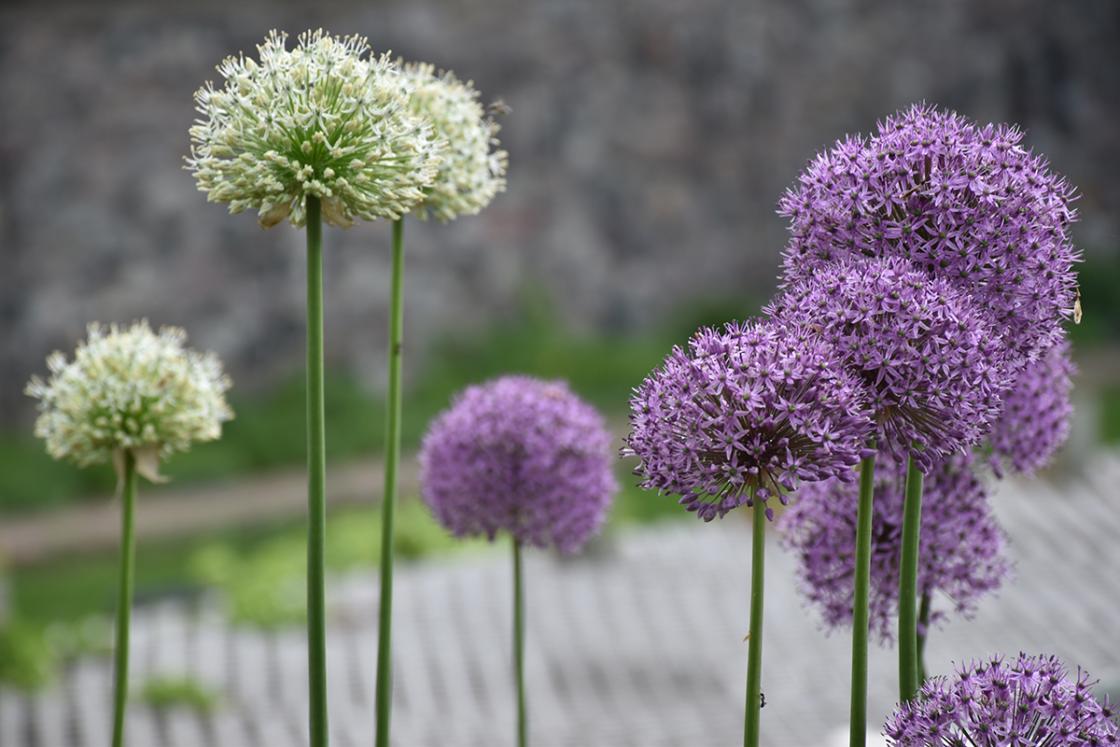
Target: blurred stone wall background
<point x="649" y="143"/>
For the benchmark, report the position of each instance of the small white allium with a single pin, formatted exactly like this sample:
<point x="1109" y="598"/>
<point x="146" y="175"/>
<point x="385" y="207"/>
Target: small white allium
<point x="473" y="170"/>
<point x="325" y="118"/>
<point x="130" y="389"/>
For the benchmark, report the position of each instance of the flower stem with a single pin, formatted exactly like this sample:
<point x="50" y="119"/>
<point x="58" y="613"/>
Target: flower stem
<point x="908" y="584"/>
<point x="384" y="694"/>
<point x="858" y="716"/>
<point x="923" y="631"/>
<point x="124" y="599"/>
<point x="754" y="649"/>
<point x="519" y="646"/>
<point x="316" y="482"/>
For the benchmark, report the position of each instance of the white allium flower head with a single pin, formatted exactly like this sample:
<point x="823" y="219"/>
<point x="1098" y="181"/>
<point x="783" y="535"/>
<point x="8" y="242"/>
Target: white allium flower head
<point x="473" y="170"/>
<point x="325" y="118"/>
<point x="129" y="389"/>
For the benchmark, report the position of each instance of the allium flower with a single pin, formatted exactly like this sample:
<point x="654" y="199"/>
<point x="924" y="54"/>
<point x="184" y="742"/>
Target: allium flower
<point x="961" y="556"/>
<point x="747" y="411"/>
<point x="1031" y="701"/>
<point x="918" y="344"/>
<point x="1035" y="418"/>
<point x="965" y="203"/>
<point x="471" y="172"/>
<point x="321" y="119"/>
<point x="129" y="389"/>
<point x="521" y="455"/>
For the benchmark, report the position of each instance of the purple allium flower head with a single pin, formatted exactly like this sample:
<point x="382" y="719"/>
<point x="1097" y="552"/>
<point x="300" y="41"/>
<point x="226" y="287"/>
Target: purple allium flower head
<point x="1028" y="701"/>
<point x="521" y="455"/>
<point x="746" y="411"/>
<point x="1035" y="418"/>
<point x="963" y="202"/>
<point x="918" y="344"/>
<point x="961" y="546"/>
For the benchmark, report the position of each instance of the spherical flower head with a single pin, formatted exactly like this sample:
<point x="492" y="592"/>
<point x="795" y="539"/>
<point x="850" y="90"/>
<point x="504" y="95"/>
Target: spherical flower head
<point x="521" y="455"/>
<point x="1034" y="422"/>
<point x="917" y="343"/>
<point x="323" y="119"/>
<point x="961" y="554"/>
<point x="129" y="389"/>
<point x="963" y="202"/>
<point x="1028" y="701"/>
<point x="473" y="169"/>
<point x="746" y="412"/>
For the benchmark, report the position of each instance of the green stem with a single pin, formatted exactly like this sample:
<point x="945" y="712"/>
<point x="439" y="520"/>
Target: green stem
<point x="923" y="631"/>
<point x="384" y="694"/>
<point x="124" y="599"/>
<point x="858" y="718"/>
<point x="519" y="646"/>
<point x="316" y="482"/>
<point x="908" y="584"/>
<point x="754" y="649"/>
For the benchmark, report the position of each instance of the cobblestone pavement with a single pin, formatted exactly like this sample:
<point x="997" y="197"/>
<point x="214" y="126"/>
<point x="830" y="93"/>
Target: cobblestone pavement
<point x="638" y="643"/>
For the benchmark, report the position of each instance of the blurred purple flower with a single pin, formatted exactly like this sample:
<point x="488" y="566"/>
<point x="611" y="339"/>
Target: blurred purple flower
<point x="965" y="203"/>
<point x="751" y="408"/>
<point x="1035" y="419"/>
<point x="1031" y="701"/>
<point x="917" y="343"/>
<point x="521" y="455"/>
<point x="961" y="546"/>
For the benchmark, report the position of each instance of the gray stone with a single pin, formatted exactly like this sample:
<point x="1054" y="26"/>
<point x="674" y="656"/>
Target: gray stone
<point x="649" y="144"/>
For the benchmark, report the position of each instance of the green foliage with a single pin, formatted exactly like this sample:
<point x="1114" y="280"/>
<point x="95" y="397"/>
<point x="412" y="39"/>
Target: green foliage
<point x="70" y="588"/>
<point x="30" y="651"/>
<point x="91" y="635"/>
<point x="1099" y="278"/>
<point x="27" y="660"/>
<point x="634" y="505"/>
<point x="163" y="693"/>
<point x="31" y="480"/>
<point x="268" y="430"/>
<point x="264" y="586"/>
<point x="1110" y="415"/>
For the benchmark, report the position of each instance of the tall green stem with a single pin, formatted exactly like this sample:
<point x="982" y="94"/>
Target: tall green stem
<point x="384" y="694"/>
<point x="754" y="649"/>
<point x="858" y="717"/>
<point x="908" y="584"/>
<point x="316" y="482"/>
<point x="923" y="631"/>
<point x="519" y="646"/>
<point x="124" y="599"/>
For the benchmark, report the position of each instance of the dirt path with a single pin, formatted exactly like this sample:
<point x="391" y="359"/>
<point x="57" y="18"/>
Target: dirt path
<point x="176" y="512"/>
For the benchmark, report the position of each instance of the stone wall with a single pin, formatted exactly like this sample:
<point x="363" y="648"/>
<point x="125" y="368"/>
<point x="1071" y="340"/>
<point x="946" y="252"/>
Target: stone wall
<point x="649" y="142"/>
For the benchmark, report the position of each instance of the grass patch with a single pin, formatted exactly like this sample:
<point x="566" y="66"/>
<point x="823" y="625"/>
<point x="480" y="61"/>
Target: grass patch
<point x="259" y="568"/>
<point x="163" y="693"/>
<point x="268" y="430"/>
<point x="1110" y="415"/>
<point x="27" y="660"/>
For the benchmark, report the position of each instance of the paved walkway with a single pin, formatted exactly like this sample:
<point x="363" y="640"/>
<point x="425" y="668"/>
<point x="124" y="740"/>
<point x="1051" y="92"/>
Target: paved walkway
<point x="640" y="643"/>
<point x="181" y="511"/>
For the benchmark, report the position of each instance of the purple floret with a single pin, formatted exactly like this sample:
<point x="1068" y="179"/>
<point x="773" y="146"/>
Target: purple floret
<point x="917" y="343"/>
<point x="1035" y="419"/>
<point x="1028" y="701"/>
<point x="961" y="555"/>
<point x="746" y="411"/>
<point x="965" y="203"/>
<point x="520" y="455"/>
